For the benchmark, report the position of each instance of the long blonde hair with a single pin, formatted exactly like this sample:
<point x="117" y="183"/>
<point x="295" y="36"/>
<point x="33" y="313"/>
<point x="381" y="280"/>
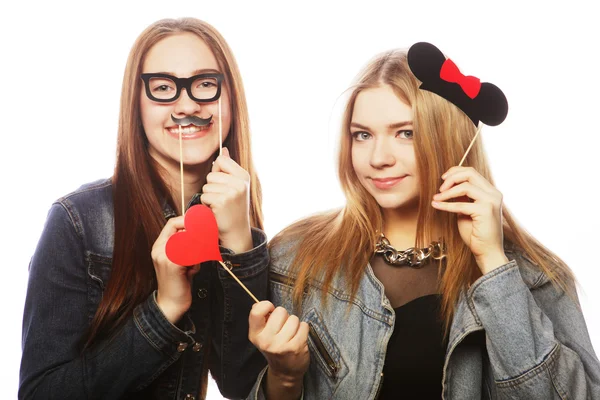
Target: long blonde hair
<point x="343" y="241"/>
<point x="139" y="189"/>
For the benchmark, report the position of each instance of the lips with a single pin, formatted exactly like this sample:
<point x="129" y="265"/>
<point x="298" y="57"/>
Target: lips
<point x="388" y="182"/>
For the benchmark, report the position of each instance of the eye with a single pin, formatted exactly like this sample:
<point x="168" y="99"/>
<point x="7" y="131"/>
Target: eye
<point x="361" y="136"/>
<point x="405" y="134"/>
<point x="162" y="88"/>
<point x="206" y="83"/>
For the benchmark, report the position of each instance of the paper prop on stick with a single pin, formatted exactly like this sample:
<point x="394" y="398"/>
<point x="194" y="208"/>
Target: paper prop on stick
<point x="480" y="101"/>
<point x="191" y="120"/>
<point x="199" y="242"/>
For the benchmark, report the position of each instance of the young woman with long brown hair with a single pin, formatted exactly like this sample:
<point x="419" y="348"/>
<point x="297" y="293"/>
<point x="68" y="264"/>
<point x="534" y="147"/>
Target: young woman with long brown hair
<point x="474" y="308"/>
<point x="107" y="315"/>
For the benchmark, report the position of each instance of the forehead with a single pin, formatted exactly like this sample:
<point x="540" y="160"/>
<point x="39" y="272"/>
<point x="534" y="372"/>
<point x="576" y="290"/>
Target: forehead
<point x="180" y="54"/>
<point x="380" y="106"/>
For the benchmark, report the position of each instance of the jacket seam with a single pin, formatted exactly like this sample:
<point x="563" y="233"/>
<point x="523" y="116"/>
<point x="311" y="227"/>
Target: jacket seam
<point x="73" y="219"/>
<point x="335" y="293"/>
<point x="533" y="372"/>
<point x="551" y="371"/>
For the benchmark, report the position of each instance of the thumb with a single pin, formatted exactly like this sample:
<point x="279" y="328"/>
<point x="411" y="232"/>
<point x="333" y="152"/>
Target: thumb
<point x="226" y="152"/>
<point x="259" y="315"/>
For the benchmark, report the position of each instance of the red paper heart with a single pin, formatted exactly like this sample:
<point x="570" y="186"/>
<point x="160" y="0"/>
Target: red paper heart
<point x="199" y="241"/>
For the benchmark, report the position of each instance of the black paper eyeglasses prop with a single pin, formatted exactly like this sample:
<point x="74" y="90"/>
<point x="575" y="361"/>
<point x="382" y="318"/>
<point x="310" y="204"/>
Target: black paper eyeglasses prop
<point x="480" y="101"/>
<point x="165" y="88"/>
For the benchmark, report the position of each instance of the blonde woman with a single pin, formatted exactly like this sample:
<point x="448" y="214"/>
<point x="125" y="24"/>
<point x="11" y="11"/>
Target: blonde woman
<point x="107" y="315"/>
<point x="423" y="286"/>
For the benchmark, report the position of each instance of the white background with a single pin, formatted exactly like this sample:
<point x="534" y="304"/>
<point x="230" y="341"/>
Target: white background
<point x="62" y="67"/>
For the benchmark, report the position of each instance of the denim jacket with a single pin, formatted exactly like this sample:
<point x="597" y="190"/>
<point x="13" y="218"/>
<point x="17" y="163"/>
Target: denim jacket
<point x="513" y="336"/>
<point x="148" y="357"/>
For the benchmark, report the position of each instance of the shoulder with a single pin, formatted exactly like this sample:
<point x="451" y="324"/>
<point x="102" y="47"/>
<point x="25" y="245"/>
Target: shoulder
<point x="90" y="210"/>
<point x="308" y="233"/>
<point x="282" y="251"/>
<point x="89" y="198"/>
<point x="93" y="192"/>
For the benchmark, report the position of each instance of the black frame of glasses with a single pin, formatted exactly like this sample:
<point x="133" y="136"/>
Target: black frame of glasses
<point x="182" y="83"/>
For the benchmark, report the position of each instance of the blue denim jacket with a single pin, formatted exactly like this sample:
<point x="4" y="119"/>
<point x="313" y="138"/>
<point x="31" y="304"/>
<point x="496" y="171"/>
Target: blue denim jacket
<point x="513" y="336"/>
<point x="149" y="357"/>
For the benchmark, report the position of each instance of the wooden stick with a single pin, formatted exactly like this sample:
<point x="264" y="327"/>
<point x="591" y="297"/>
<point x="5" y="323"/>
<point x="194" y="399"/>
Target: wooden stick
<point x="181" y="171"/>
<point x="220" y="130"/>
<point x="238" y="281"/>
<point x="471" y="145"/>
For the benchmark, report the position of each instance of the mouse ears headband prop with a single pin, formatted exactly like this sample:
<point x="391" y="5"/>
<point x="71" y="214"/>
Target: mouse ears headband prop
<point x="483" y="102"/>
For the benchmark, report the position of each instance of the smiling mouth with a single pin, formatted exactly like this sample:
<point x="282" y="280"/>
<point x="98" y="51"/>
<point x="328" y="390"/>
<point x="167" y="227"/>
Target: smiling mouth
<point x="188" y="130"/>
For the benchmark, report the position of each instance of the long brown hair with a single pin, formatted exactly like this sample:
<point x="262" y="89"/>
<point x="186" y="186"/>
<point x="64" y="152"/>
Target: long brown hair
<point x="139" y="191"/>
<point x="343" y="241"/>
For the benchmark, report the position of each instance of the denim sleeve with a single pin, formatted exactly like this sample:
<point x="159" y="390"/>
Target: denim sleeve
<point x="234" y="361"/>
<point x="258" y="392"/>
<point x="57" y="315"/>
<point x="537" y="339"/>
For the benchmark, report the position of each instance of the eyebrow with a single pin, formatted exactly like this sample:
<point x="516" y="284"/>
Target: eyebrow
<point x="395" y="125"/>
<point x="196" y="72"/>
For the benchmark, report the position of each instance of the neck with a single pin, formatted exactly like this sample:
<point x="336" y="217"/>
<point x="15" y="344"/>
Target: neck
<point x="400" y="226"/>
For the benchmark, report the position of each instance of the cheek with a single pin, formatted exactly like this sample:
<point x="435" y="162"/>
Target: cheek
<point x="151" y="114"/>
<point x="360" y="160"/>
<point x="225" y="108"/>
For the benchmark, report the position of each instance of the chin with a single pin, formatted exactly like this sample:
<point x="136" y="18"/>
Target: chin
<point x="197" y="159"/>
<point x="396" y="200"/>
<point x="198" y="155"/>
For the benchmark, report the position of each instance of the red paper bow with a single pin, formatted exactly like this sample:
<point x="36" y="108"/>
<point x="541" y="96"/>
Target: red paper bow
<point x="469" y="84"/>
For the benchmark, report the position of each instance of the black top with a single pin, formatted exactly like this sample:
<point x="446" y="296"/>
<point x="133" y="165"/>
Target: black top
<point x="415" y="354"/>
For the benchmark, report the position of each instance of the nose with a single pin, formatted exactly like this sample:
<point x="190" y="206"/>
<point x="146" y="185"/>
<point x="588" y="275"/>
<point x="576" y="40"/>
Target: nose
<point x="184" y="105"/>
<point x="382" y="155"/>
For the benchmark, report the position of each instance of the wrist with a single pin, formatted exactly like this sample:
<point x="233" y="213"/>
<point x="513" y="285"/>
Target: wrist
<point x="492" y="261"/>
<point x="239" y="241"/>
<point x="171" y="311"/>
<point x="280" y="385"/>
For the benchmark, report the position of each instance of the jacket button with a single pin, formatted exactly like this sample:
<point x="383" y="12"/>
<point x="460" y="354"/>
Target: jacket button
<point x="202" y="293"/>
<point x="197" y="347"/>
<point x="190" y="397"/>
<point x="182" y="346"/>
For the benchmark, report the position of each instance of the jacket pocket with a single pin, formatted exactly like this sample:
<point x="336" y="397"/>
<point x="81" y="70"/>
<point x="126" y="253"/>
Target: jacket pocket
<point x="99" y="269"/>
<point x="324" y="350"/>
<point x="330" y="366"/>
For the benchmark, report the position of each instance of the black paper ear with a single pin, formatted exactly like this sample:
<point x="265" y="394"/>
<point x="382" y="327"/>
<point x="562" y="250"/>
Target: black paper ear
<point x="488" y="105"/>
<point x="492" y="105"/>
<point x="425" y="61"/>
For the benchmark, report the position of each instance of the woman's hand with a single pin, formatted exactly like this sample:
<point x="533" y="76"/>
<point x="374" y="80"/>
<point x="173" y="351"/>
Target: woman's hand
<point x="283" y="340"/>
<point x="227" y="193"/>
<point x="480" y="214"/>
<point x="174" y="295"/>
